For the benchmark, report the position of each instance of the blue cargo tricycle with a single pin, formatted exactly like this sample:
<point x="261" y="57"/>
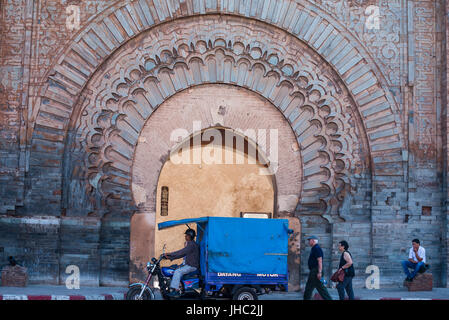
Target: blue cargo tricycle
<point x="240" y="258"/>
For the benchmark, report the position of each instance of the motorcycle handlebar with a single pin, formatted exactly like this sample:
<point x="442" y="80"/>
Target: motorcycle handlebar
<point x="161" y="257"/>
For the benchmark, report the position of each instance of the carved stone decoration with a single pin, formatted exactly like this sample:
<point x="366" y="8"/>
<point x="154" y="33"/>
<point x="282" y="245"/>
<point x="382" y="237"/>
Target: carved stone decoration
<point x="332" y="60"/>
<point x="382" y="40"/>
<point x="157" y="65"/>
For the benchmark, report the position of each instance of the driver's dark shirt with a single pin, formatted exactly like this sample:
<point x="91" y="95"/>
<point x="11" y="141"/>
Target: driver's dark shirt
<point x="192" y="253"/>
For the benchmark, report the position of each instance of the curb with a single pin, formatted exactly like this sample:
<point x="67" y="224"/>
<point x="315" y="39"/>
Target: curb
<point x="318" y="297"/>
<point x="411" y="299"/>
<point x="118" y="296"/>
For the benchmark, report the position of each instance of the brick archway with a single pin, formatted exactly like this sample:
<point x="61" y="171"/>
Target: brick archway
<point x="313" y="108"/>
<point x="305" y="89"/>
<point x="319" y="32"/>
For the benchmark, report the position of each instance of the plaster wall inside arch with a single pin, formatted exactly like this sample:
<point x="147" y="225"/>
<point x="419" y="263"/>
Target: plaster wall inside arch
<point x="210" y="188"/>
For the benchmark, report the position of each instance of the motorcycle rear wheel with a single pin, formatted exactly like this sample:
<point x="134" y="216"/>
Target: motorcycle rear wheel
<point x="133" y="294"/>
<point x="245" y="293"/>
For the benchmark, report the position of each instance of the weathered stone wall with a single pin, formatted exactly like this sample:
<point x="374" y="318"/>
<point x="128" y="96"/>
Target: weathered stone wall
<point x="34" y="242"/>
<point x="444" y="124"/>
<point x="46" y="246"/>
<point x="12" y="38"/>
<point x="402" y="195"/>
<point x="32" y="34"/>
<point x="114" y="252"/>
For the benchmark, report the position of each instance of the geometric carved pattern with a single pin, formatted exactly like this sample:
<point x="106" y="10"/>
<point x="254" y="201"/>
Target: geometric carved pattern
<point x="384" y="42"/>
<point x="318" y="109"/>
<point x="347" y="65"/>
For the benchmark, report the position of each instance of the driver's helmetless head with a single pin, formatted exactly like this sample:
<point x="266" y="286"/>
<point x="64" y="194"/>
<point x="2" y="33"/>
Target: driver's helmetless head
<point x="190" y="233"/>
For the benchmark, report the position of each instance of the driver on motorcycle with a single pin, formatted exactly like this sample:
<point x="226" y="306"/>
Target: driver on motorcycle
<point x="191" y="255"/>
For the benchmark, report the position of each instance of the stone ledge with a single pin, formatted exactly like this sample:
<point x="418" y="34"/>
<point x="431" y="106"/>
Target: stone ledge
<point x="422" y="282"/>
<point x="14" y="276"/>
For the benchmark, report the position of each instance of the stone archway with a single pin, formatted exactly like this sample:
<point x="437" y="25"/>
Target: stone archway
<point x="320" y="32"/>
<point x="311" y="98"/>
<point x="194" y="110"/>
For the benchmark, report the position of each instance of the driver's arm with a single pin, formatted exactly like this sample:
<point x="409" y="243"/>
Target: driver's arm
<point x="178" y="254"/>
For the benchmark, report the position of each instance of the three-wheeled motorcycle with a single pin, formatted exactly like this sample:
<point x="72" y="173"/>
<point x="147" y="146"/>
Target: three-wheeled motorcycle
<point x="240" y="258"/>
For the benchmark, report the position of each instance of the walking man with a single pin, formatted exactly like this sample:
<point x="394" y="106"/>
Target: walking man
<point x="316" y="271"/>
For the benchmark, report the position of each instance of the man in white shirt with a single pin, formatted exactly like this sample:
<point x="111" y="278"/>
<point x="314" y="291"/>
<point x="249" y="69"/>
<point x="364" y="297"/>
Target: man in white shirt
<point x="416" y="260"/>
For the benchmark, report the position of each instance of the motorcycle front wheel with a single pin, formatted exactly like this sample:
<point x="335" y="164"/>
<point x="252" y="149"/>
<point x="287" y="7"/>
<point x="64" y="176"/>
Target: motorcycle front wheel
<point x="133" y="294"/>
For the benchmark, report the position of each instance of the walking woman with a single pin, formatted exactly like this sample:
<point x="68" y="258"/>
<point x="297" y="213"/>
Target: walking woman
<point x="347" y="265"/>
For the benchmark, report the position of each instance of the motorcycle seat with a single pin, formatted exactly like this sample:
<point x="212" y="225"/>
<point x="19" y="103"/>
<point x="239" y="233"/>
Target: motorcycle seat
<point x="192" y="275"/>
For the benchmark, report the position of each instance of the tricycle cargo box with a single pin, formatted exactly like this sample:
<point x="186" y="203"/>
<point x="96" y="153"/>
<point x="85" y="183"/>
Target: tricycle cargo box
<point x="243" y="245"/>
<point x="246" y="245"/>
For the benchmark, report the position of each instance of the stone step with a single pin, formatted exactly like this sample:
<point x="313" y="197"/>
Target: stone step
<point x="422" y="282"/>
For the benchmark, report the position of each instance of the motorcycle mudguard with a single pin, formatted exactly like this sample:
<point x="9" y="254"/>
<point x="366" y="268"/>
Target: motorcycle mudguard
<point x="148" y="289"/>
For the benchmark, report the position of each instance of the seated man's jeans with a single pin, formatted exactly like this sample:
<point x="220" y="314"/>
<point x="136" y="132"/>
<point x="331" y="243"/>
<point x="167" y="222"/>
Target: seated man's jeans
<point x="415" y="266"/>
<point x="176" y="280"/>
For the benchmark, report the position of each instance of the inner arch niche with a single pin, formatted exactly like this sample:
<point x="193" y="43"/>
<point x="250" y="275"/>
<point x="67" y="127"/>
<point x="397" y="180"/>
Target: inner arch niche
<point x="215" y="172"/>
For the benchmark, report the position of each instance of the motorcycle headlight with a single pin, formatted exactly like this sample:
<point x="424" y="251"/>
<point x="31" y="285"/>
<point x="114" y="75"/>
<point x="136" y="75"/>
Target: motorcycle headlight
<point x="149" y="265"/>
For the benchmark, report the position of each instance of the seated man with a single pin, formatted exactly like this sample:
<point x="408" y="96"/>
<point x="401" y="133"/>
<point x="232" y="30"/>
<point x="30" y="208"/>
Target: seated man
<point x="191" y="255"/>
<point x="416" y="260"/>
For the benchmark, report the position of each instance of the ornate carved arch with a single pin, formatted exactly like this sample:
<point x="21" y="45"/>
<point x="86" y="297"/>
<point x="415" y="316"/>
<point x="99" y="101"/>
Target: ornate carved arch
<point x="120" y="98"/>
<point x="120" y="26"/>
<point x="303" y="20"/>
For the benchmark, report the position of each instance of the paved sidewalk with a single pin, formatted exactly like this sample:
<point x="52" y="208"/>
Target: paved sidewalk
<point x="41" y="292"/>
<point x="366" y="294"/>
<point x="47" y="292"/>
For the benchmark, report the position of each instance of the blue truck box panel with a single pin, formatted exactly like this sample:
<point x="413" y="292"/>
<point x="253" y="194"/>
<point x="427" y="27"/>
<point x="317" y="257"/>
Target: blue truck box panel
<point x="246" y="245"/>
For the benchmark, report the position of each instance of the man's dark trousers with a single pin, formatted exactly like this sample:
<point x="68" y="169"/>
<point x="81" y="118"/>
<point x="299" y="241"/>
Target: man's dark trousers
<point x="314" y="283"/>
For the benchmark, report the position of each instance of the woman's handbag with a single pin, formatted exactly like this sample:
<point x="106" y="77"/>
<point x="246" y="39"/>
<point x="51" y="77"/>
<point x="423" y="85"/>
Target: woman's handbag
<point x="338" y="276"/>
